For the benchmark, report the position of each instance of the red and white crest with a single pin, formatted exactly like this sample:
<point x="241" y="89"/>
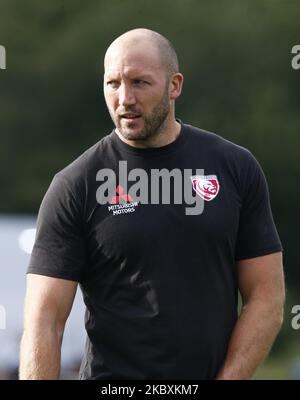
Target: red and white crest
<point x="207" y="187"/>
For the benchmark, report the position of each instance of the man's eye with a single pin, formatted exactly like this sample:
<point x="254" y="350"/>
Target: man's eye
<point x="139" y="82"/>
<point x="112" y="83"/>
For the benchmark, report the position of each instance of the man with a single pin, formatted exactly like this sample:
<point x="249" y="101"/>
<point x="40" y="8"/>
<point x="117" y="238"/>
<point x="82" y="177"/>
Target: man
<point x="160" y="286"/>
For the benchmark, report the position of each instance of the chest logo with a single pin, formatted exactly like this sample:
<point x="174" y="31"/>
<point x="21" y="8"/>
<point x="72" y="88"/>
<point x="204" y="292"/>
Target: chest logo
<point x="121" y="196"/>
<point x="122" y="203"/>
<point x="206" y="186"/>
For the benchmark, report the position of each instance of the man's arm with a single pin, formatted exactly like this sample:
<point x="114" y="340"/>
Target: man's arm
<point x="48" y="303"/>
<point x="261" y="284"/>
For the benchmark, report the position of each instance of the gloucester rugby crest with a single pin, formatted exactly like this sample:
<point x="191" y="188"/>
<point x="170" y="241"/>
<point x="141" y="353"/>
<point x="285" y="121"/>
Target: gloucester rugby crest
<point x="206" y="186"/>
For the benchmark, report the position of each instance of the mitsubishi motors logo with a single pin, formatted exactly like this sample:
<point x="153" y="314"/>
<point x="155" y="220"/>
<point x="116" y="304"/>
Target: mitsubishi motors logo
<point x="122" y="203"/>
<point x="120" y="196"/>
<point x="207" y="187"/>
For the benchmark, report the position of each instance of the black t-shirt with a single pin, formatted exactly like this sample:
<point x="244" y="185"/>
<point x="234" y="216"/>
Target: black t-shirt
<point x="160" y="286"/>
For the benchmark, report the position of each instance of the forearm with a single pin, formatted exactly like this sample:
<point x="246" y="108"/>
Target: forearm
<point x="251" y="340"/>
<point x="40" y="355"/>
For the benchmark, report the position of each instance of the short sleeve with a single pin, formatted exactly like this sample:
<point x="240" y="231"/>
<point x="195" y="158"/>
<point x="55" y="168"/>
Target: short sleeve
<point x="59" y="248"/>
<point x="257" y="233"/>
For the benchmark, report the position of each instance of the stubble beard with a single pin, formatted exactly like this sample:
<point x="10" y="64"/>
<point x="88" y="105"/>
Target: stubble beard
<point x="153" y="123"/>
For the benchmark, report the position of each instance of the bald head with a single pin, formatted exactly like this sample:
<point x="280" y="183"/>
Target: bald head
<point x="147" y="39"/>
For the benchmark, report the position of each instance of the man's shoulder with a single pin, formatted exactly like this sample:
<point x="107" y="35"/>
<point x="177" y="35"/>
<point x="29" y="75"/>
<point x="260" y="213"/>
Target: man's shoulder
<point x="215" y="144"/>
<point x="86" y="162"/>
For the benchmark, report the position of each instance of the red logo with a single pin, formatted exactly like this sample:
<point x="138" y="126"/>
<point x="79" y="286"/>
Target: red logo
<point x="207" y="187"/>
<point x="121" y="196"/>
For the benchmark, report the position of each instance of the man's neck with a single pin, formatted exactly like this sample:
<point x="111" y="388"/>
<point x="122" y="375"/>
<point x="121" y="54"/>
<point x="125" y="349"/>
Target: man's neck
<point x="168" y="135"/>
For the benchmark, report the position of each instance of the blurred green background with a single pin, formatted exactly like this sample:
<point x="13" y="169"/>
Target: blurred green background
<point x="236" y="59"/>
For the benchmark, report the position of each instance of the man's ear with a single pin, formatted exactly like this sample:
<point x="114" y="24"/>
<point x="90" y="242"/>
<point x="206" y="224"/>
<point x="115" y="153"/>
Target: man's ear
<point x="176" y="84"/>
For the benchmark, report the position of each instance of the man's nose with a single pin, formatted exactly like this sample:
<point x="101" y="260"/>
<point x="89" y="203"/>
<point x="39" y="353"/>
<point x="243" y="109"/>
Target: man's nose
<point x="126" y="95"/>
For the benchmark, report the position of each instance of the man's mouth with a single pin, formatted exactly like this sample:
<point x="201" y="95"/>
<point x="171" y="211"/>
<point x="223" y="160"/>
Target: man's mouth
<point x="130" y="116"/>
